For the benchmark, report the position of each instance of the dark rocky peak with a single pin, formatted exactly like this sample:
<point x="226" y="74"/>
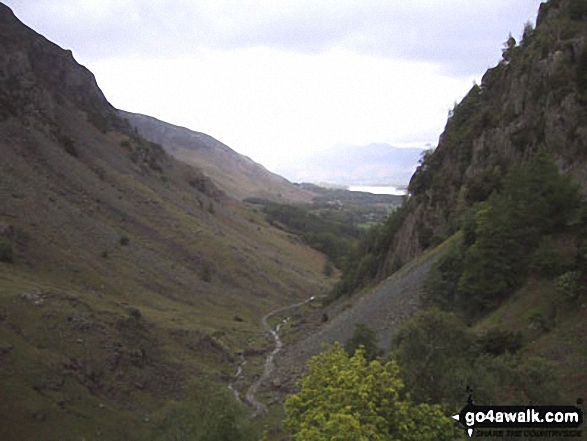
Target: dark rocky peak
<point x="37" y="77"/>
<point x="553" y="9"/>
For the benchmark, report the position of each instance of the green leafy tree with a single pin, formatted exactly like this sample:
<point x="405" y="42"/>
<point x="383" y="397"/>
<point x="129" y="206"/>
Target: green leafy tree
<point x="495" y="264"/>
<point x="536" y="200"/>
<point x="364" y="337"/>
<point x="434" y="349"/>
<point x="208" y="414"/>
<point x="349" y="398"/>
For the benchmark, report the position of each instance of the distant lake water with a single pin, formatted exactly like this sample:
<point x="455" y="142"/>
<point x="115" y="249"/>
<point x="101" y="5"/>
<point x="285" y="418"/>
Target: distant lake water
<point x="379" y="190"/>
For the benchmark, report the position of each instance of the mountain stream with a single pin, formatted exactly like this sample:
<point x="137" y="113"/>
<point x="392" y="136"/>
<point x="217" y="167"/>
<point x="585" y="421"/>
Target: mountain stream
<point x="269" y="363"/>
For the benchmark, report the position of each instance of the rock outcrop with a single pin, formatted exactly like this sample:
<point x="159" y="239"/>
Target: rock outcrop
<point x="37" y="77"/>
<point x="534" y="99"/>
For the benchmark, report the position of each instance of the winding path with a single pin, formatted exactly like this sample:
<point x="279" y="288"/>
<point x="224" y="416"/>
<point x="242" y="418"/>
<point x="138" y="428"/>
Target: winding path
<point x="269" y="363"/>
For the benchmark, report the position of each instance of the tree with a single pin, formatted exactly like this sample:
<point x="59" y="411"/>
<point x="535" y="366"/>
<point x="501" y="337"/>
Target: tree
<point x="434" y="349"/>
<point x="364" y="337"/>
<point x="208" y="413"/>
<point x="508" y="48"/>
<point x="535" y="200"/>
<point x="349" y="398"/>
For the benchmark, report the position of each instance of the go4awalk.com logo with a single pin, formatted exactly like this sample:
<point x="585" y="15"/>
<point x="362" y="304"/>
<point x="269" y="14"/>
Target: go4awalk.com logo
<point x="518" y="421"/>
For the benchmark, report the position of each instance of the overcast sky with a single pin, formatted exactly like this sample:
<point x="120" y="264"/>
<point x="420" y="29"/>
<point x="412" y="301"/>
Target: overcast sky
<point x="277" y="78"/>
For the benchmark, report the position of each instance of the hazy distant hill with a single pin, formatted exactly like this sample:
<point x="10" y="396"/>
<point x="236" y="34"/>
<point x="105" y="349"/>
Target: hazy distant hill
<point x="373" y="164"/>
<point x="238" y="175"/>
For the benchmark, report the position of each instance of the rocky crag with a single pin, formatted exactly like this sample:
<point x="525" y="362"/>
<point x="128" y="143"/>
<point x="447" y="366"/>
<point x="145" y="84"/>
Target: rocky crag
<point x="534" y="99"/>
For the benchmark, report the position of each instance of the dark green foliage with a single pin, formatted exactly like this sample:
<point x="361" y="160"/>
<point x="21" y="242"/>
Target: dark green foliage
<point x="148" y="153"/>
<point x="548" y="260"/>
<point x="124" y="240"/>
<point x="422" y="177"/>
<point x="494" y="265"/>
<point x="439" y="357"/>
<point x="206" y="272"/>
<point x="328" y="269"/>
<point x="425" y="236"/>
<point x="514" y="379"/>
<point x="480" y="187"/>
<point x="536" y="200"/>
<point x="364" y="261"/>
<point x="577" y="9"/>
<point x="571" y="285"/>
<point x="6" y="254"/>
<point x="440" y="288"/>
<point x="210" y="413"/>
<point x="364" y="337"/>
<point x="497" y="342"/>
<point x="433" y="350"/>
<point x="199" y="183"/>
<point x="333" y="238"/>
<point x="581" y="70"/>
<point x="101" y="122"/>
<point x="508" y="48"/>
<point x="69" y="145"/>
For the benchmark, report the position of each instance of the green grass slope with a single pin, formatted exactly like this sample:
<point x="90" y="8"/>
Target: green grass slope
<point x="129" y="282"/>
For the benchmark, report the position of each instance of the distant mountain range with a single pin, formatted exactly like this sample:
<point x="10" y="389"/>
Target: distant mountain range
<point x="372" y="164"/>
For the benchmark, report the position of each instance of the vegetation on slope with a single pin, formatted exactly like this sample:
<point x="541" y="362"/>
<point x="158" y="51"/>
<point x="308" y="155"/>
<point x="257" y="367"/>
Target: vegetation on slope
<point x="333" y="223"/>
<point x="121" y="269"/>
<point x="504" y="309"/>
<point x="347" y="397"/>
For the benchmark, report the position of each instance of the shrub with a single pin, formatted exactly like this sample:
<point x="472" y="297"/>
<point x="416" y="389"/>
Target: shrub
<point x="209" y="412"/>
<point x="497" y="341"/>
<point x="434" y="349"/>
<point x="206" y="272"/>
<point x="349" y="398"/>
<point x="570" y="286"/>
<point x="124" y="240"/>
<point x="363" y="337"/>
<point x="69" y="146"/>
<point x="548" y="260"/>
<point x="6" y="254"/>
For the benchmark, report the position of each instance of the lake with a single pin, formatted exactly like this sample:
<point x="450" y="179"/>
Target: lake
<point x="378" y="190"/>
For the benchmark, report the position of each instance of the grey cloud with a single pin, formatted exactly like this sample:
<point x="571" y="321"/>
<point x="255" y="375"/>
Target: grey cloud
<point x="461" y="36"/>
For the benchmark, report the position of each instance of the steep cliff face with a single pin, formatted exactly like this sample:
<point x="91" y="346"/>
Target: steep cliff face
<point x="534" y="99"/>
<point x="37" y="77"/>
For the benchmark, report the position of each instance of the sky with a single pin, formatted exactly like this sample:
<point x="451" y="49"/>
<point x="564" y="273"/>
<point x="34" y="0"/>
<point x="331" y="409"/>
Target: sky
<point x="277" y="79"/>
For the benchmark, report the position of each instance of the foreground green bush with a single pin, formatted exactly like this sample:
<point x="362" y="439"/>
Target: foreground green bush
<point x="349" y="398"/>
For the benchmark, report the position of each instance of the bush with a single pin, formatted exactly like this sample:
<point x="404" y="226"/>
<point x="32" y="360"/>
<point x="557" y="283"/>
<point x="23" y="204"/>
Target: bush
<point x="206" y="272"/>
<point x="208" y="413"/>
<point x="536" y="200"/>
<point x="124" y="240"/>
<point x="570" y="286"/>
<point x="548" y="260"/>
<point x="6" y="254"/>
<point x="440" y="287"/>
<point x="328" y="269"/>
<point x="363" y="337"/>
<point x="434" y="350"/>
<point x="349" y="398"/>
<point x="69" y="146"/>
<point x="497" y="342"/>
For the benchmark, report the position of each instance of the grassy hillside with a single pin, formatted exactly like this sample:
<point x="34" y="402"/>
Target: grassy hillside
<point x="238" y="175"/>
<point x="128" y="281"/>
<point x="125" y="283"/>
